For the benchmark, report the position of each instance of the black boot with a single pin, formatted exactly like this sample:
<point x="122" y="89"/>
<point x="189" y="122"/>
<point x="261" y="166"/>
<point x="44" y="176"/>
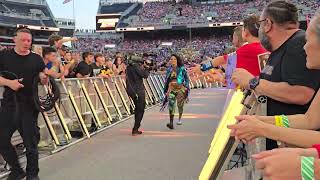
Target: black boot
<point x="33" y="178"/>
<point x="17" y="175"/>
<point x="136" y="132"/>
<point x="170" y="125"/>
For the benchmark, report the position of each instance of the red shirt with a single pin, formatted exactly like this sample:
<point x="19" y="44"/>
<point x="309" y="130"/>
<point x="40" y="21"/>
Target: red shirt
<point x="248" y="57"/>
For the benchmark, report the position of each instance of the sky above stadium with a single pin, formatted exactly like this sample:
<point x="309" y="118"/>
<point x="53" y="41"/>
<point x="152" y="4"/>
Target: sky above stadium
<point x="85" y="11"/>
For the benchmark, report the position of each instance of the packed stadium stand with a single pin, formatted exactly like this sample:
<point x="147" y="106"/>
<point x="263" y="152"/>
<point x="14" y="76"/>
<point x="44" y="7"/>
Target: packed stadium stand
<point x="114" y="8"/>
<point x="35" y="14"/>
<point x="182" y="13"/>
<point x="25" y="13"/>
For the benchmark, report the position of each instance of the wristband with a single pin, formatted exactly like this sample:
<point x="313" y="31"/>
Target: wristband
<point x="282" y="121"/>
<point x="307" y="168"/>
<point x="206" y="66"/>
<point x="277" y="121"/>
<point x="285" y="121"/>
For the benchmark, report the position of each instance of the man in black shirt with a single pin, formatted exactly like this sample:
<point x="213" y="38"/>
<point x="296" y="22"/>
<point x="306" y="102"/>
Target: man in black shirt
<point x="17" y="109"/>
<point x="285" y="80"/>
<point x="99" y="66"/>
<point x="84" y="68"/>
<point x="135" y="89"/>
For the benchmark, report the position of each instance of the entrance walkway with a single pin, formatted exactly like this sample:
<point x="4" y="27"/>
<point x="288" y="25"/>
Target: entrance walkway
<point x="159" y="153"/>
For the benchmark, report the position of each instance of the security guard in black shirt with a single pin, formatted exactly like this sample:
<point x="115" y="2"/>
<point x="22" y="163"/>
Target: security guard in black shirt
<point x="18" y="94"/>
<point x="136" y="71"/>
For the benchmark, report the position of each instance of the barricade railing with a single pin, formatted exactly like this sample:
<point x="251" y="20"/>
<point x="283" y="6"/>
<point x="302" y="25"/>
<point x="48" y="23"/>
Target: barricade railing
<point x="89" y="105"/>
<point x="86" y="107"/>
<point x="225" y="153"/>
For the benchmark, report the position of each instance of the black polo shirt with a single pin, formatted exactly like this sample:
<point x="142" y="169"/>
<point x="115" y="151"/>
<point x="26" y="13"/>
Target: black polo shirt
<point x="288" y="64"/>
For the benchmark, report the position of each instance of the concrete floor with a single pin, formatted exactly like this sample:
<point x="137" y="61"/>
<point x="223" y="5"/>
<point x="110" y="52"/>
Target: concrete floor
<point x="159" y="153"/>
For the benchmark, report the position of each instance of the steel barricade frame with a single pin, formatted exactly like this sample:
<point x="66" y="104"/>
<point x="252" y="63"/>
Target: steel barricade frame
<point x="84" y="87"/>
<point x="123" y="93"/>
<point x="157" y="86"/>
<point x="223" y="146"/>
<point x="149" y="93"/>
<point x="76" y="109"/>
<point x="112" y="96"/>
<point x="130" y="99"/>
<point x="101" y="99"/>
<point x="153" y="91"/>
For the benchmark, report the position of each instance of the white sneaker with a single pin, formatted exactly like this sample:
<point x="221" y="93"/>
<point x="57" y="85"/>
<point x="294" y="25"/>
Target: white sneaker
<point x="179" y="122"/>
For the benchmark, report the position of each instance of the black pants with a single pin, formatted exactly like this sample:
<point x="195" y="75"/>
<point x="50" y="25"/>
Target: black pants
<point x="25" y="121"/>
<point x="271" y="144"/>
<point x="140" y="104"/>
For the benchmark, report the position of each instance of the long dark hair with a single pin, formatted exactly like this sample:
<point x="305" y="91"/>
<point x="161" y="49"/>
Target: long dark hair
<point x="116" y="61"/>
<point x="179" y="60"/>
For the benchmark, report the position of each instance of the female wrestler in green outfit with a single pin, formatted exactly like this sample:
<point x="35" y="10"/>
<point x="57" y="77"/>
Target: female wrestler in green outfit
<point x="176" y="87"/>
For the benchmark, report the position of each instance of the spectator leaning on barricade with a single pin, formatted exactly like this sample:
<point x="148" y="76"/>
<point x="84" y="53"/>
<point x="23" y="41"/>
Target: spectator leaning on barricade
<point x="57" y="41"/>
<point x="246" y="56"/>
<point x="299" y="130"/>
<point x="99" y="68"/>
<point x="285" y="80"/>
<point x="84" y="68"/>
<point x="69" y="65"/>
<point x="119" y="68"/>
<point x="53" y="67"/>
<point x="217" y="74"/>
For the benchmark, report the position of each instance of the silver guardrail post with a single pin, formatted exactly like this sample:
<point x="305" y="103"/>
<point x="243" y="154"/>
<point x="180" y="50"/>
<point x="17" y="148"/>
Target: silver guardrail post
<point x="78" y="112"/>
<point x="106" y="83"/>
<point x="121" y="95"/>
<point x="154" y="93"/>
<point x="148" y="92"/>
<point x="92" y="109"/>
<point x="101" y="99"/>
<point x="130" y="99"/>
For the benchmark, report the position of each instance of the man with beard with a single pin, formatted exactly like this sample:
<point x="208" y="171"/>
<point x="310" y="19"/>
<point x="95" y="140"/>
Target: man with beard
<point x="285" y="80"/>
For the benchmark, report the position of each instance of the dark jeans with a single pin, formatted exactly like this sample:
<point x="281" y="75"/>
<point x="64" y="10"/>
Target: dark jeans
<point x="140" y="104"/>
<point x="25" y="121"/>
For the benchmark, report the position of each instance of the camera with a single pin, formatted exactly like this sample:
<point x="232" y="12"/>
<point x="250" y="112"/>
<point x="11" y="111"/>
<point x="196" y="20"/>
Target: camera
<point x="133" y="59"/>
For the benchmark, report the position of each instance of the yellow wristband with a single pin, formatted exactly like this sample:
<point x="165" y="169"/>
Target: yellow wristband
<point x="277" y="121"/>
<point x="281" y="121"/>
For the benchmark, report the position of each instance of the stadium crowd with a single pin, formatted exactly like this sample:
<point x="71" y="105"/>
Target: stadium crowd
<point x="181" y="13"/>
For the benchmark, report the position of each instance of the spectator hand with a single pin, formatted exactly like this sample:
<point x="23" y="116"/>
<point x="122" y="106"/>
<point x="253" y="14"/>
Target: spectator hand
<point x="242" y="77"/>
<point x="15" y="84"/>
<point x="74" y="39"/>
<point x="196" y="69"/>
<point x="280" y="164"/>
<point x="247" y="129"/>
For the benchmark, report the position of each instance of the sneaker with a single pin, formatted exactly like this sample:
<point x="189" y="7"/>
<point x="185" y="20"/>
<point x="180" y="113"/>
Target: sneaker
<point x="179" y="122"/>
<point x="16" y="176"/>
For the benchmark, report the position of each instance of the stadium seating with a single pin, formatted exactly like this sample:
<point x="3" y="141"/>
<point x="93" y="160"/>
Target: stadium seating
<point x="168" y="13"/>
<point x="114" y="8"/>
<point x="25" y="13"/>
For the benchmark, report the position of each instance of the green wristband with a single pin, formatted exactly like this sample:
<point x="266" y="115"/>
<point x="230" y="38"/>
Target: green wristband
<point x="285" y="121"/>
<point x="307" y="168"/>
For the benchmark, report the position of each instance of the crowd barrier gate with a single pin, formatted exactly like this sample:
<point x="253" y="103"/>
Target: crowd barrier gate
<point x="86" y="106"/>
<point x="89" y="105"/>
